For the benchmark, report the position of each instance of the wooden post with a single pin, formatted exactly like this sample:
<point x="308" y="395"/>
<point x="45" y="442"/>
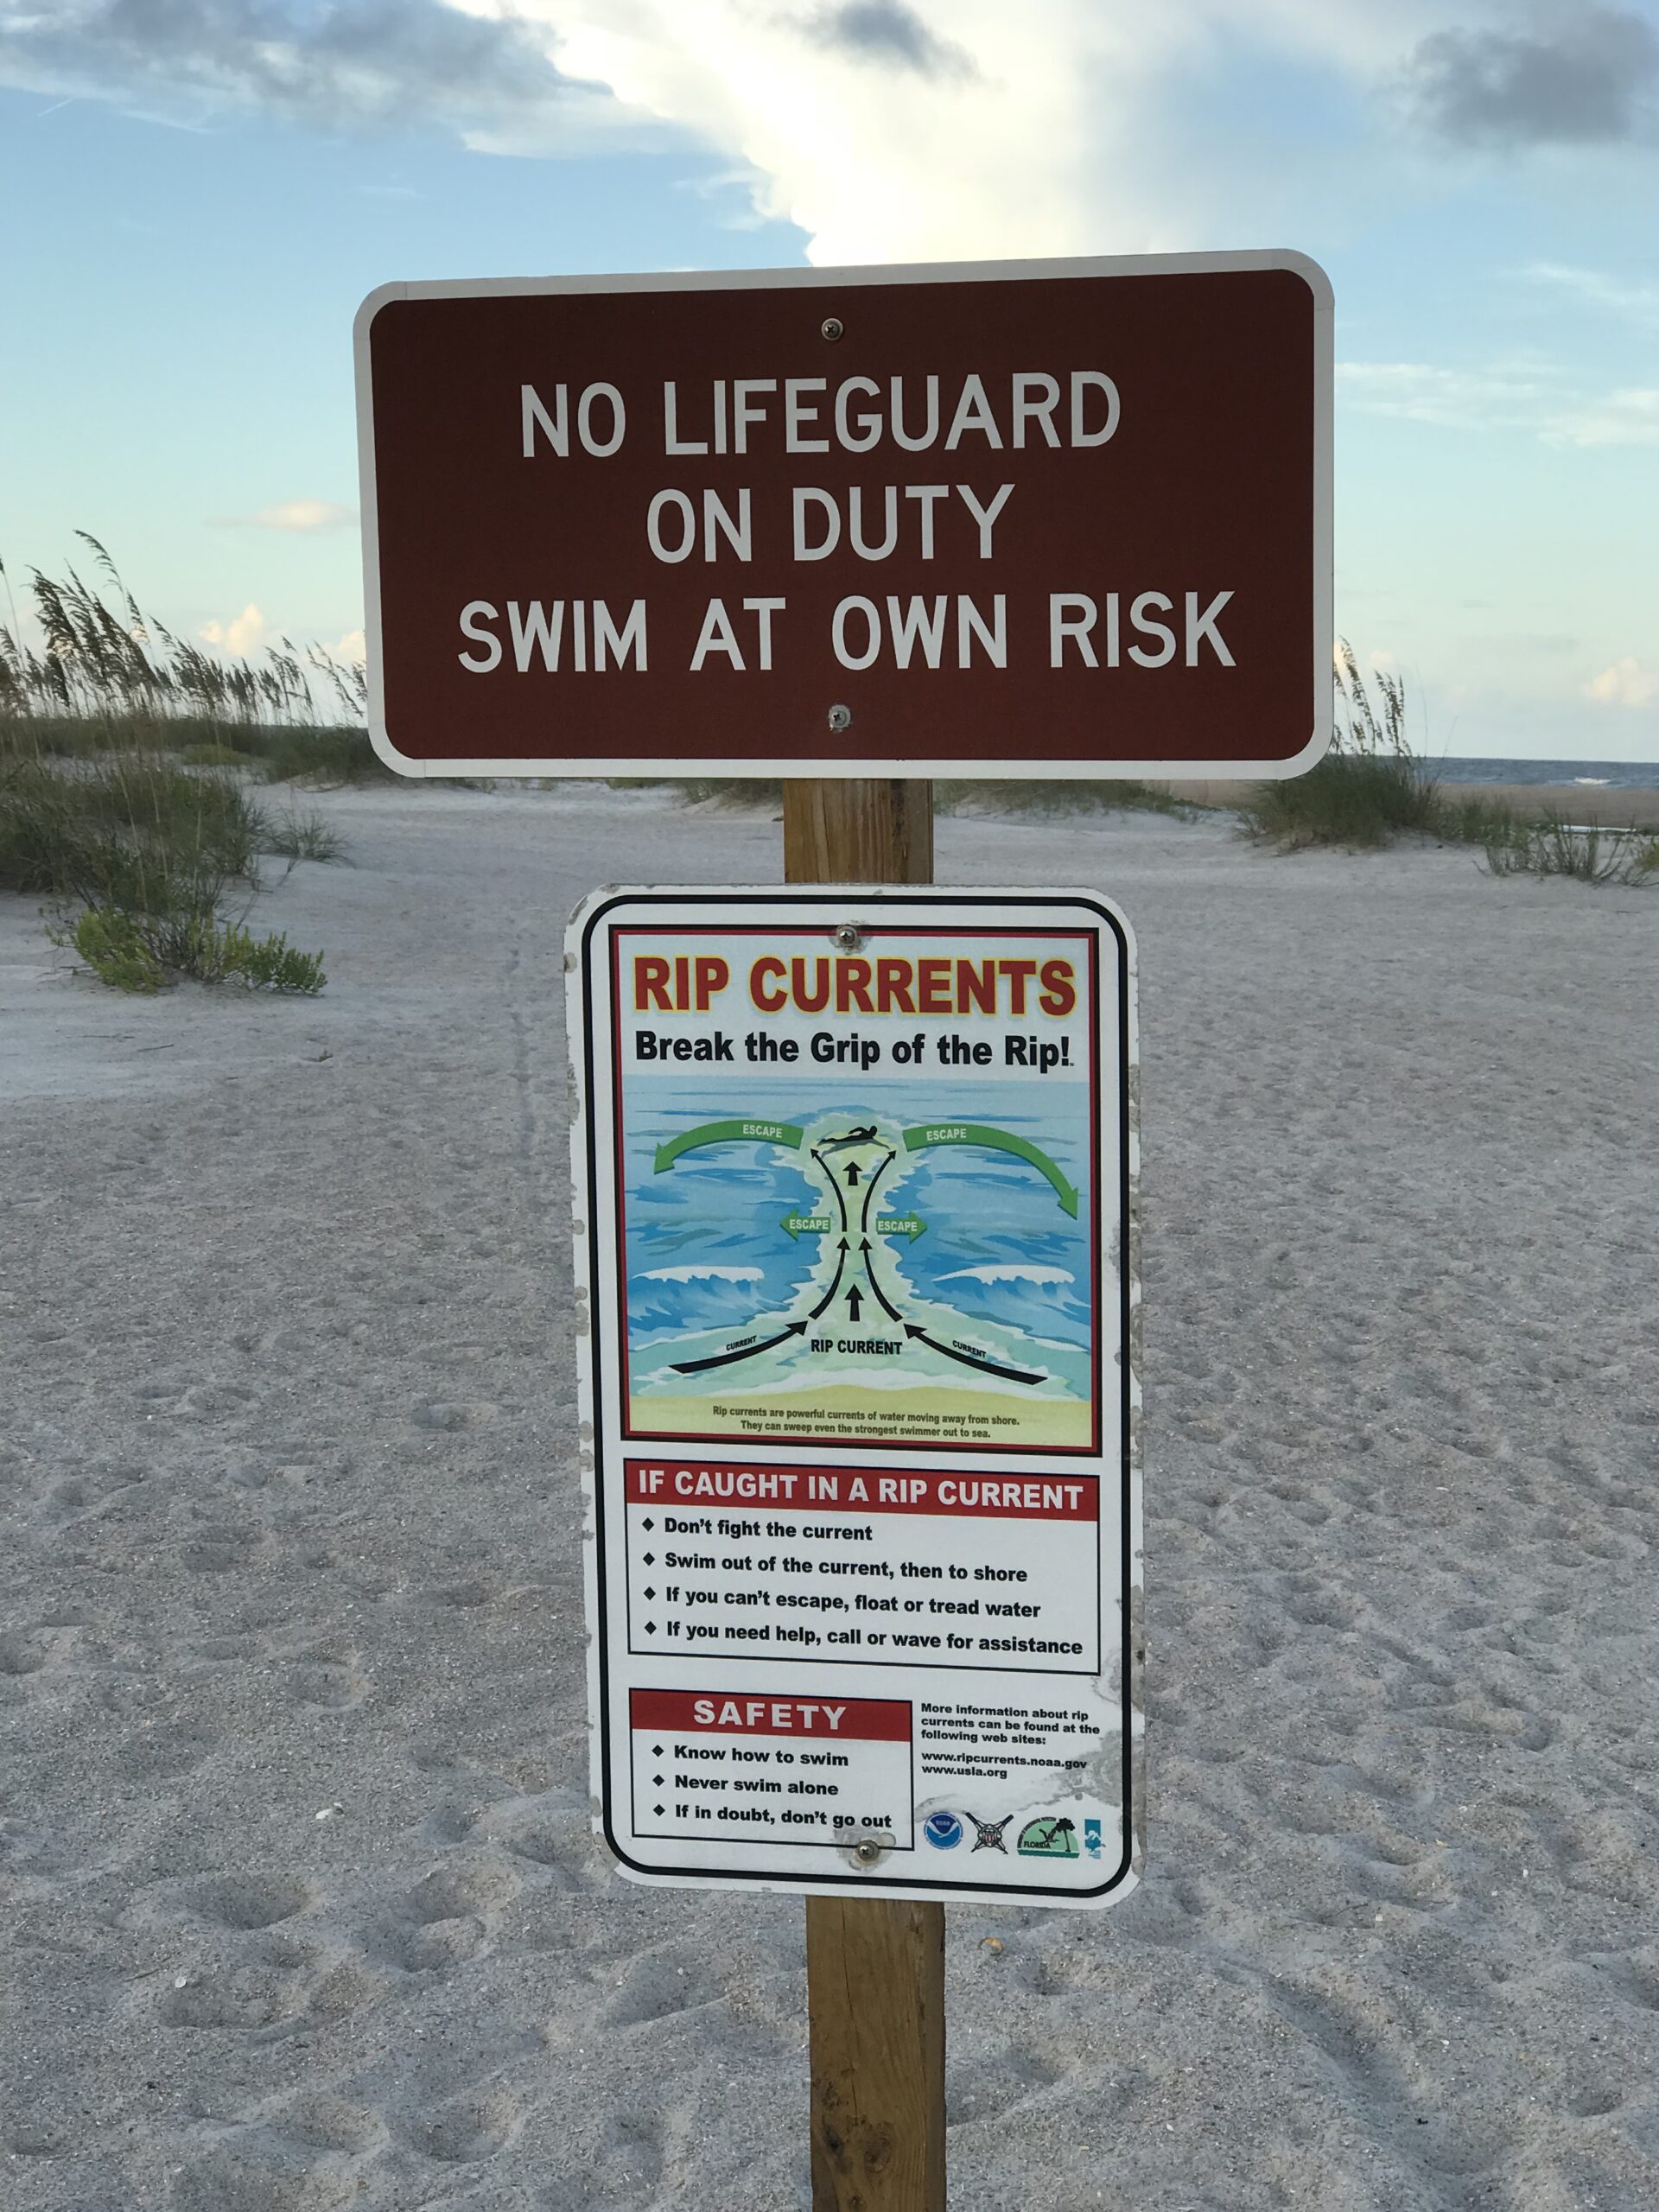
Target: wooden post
<point x="874" y="831"/>
<point x="875" y="1965"/>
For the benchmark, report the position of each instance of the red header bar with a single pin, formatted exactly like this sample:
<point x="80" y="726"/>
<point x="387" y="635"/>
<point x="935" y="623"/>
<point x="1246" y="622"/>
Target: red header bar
<point x="679" y="1484"/>
<point x="716" y="1712"/>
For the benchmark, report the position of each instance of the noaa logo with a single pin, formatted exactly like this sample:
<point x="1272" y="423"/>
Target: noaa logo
<point x="943" y="1831"/>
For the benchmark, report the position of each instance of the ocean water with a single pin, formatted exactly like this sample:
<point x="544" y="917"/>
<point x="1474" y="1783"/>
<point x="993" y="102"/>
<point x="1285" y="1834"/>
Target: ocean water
<point x="1613" y="775"/>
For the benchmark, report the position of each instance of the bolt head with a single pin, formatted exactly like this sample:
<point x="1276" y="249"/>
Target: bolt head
<point x="840" y="718"/>
<point x="832" y="327"/>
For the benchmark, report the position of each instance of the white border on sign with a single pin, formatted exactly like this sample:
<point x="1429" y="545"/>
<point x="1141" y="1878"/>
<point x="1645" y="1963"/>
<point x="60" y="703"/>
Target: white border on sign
<point x="939" y="272"/>
<point x="592" y="1228"/>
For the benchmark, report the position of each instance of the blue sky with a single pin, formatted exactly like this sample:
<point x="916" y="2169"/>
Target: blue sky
<point x="199" y="192"/>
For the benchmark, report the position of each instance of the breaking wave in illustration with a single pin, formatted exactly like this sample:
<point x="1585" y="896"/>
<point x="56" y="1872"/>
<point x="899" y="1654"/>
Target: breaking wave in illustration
<point x="702" y="1274"/>
<point x="1043" y="1275"/>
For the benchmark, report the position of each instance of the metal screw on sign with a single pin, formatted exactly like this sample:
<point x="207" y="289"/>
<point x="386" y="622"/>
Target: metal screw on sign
<point x="866" y="1852"/>
<point x="840" y="718"/>
<point x="832" y="327"/>
<point x="848" y="937"/>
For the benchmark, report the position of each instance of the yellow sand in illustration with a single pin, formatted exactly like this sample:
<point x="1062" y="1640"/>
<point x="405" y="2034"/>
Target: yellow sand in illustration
<point x="920" y="1415"/>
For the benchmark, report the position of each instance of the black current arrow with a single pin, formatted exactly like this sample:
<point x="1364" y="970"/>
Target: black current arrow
<point x="869" y="1191"/>
<point x="891" y="1312"/>
<point x="971" y="1359"/>
<point x="854" y="1301"/>
<point x="795" y="1329"/>
<point x="749" y="1351"/>
<point x="829" y="1177"/>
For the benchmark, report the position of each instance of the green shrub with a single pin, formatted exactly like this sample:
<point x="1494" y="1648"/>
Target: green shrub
<point x="271" y="963"/>
<point x="303" y="837"/>
<point x="113" y="947"/>
<point x="142" y="952"/>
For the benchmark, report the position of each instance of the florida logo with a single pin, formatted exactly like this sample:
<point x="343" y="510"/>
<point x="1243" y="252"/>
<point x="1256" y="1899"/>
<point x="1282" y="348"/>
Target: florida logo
<point x="1048" y="1839"/>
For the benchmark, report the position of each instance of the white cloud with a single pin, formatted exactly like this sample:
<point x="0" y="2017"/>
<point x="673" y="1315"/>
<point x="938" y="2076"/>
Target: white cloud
<point x="243" y="634"/>
<point x="295" y="514"/>
<point x="1626" y="683"/>
<point x="1618" y="294"/>
<point x="1629" y="418"/>
<point x="1534" y="396"/>
<point x="352" y="649"/>
<point x="909" y="130"/>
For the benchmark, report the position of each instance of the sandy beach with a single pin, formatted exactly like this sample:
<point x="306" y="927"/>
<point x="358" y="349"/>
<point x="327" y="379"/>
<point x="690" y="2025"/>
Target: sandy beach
<point x="299" y="1906"/>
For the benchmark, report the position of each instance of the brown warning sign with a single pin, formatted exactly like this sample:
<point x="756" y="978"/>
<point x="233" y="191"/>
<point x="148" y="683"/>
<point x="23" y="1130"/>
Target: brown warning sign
<point x="1046" y="518"/>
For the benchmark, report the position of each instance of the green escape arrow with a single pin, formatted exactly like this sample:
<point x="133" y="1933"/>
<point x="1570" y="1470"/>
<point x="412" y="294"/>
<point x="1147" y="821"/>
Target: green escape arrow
<point x="727" y="1133"/>
<point x="885" y="1224"/>
<point x="996" y="1140"/>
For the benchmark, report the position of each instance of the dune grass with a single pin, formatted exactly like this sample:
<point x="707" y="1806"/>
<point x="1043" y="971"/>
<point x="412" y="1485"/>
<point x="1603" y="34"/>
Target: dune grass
<point x="107" y="678"/>
<point x="1586" y="852"/>
<point x="1049" y="799"/>
<point x="1034" y="796"/>
<point x="126" y="760"/>
<point x="148" y="868"/>
<point x="1370" y="788"/>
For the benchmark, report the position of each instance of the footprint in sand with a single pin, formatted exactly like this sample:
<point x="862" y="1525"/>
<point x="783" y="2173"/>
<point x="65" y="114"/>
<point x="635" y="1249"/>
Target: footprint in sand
<point x="328" y="2123"/>
<point x="254" y="1900"/>
<point x="447" y="1919"/>
<point x="653" y="1989"/>
<point x="222" y="1549"/>
<point x="330" y="1680"/>
<point x="224" y="2183"/>
<point x="35" y="1650"/>
<point x="446" y="1415"/>
<point x="468" y="2130"/>
<point x="240" y="1997"/>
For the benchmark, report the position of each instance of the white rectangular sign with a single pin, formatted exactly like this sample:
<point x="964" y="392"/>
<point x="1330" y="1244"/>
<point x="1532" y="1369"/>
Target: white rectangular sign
<point x="854" y="1175"/>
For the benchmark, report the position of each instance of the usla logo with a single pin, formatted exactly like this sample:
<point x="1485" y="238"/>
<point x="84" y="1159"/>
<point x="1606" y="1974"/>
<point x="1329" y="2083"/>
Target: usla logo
<point x="943" y="1830"/>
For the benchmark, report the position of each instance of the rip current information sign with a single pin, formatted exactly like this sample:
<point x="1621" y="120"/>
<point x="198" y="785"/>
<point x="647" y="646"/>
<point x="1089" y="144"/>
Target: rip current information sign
<point x="854" y="1175"/>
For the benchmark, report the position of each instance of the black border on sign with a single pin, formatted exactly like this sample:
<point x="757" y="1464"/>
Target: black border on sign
<point x="895" y="895"/>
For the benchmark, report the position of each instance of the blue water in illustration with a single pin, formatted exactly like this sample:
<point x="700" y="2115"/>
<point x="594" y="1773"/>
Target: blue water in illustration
<point x="705" y="1245"/>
